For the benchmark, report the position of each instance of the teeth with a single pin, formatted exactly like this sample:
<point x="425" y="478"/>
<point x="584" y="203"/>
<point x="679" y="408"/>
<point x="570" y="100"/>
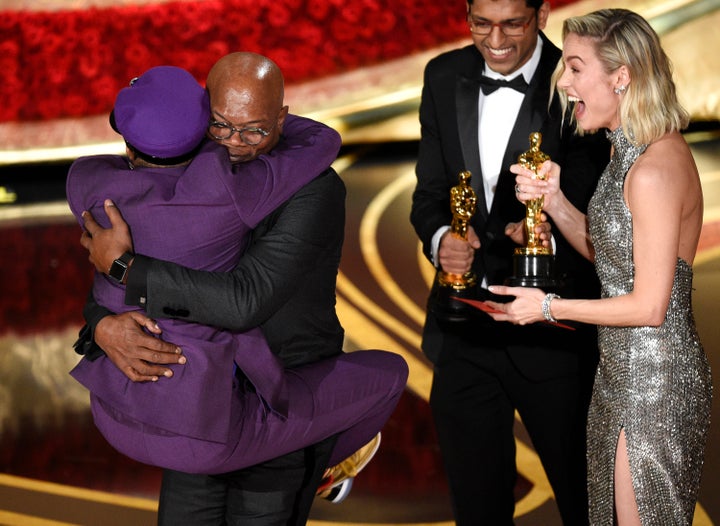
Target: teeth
<point x="573" y="99"/>
<point x="499" y="52"/>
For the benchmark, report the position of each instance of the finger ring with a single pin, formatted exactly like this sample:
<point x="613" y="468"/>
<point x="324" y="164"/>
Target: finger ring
<point x="517" y="189"/>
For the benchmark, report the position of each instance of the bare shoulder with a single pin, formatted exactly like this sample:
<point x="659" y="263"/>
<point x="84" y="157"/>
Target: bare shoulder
<point x="667" y="164"/>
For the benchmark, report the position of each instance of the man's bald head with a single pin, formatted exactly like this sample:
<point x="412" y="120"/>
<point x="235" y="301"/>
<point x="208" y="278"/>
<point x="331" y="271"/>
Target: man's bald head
<point x="250" y="72"/>
<point x="247" y="90"/>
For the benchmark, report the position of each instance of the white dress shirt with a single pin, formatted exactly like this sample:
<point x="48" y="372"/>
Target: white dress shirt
<point x="497" y="113"/>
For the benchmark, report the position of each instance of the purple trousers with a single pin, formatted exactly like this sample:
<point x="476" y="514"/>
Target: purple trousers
<point x="351" y="396"/>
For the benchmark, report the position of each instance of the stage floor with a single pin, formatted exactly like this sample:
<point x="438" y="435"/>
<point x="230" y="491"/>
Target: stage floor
<point x="55" y="469"/>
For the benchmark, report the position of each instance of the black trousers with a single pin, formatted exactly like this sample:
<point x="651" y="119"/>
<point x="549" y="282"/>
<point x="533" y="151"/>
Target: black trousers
<point x="279" y="492"/>
<point x="475" y="393"/>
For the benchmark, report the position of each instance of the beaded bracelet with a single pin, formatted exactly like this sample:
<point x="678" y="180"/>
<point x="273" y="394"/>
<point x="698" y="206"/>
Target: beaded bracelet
<point x="546" y="307"/>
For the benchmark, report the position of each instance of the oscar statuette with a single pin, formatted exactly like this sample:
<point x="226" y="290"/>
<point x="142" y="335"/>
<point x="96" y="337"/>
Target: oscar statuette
<point x="533" y="264"/>
<point x="463" y="202"/>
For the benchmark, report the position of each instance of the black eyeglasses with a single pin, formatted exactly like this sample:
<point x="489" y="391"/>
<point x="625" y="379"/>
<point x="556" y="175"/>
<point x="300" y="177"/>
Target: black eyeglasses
<point x="251" y="135"/>
<point x="511" y="28"/>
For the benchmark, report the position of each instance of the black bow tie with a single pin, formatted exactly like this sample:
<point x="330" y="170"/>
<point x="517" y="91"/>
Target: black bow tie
<point x="489" y="85"/>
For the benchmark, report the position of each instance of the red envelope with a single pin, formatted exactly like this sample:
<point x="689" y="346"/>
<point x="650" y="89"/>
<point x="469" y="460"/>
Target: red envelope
<point x="480" y="305"/>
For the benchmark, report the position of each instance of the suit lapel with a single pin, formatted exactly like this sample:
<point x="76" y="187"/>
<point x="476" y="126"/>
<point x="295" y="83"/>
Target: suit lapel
<point x="466" y="96"/>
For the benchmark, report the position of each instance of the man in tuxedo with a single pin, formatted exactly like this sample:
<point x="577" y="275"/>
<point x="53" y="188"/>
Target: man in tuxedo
<point x="284" y="283"/>
<point x="479" y="106"/>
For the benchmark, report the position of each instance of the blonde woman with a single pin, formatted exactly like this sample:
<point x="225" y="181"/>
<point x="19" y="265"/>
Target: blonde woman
<point x="650" y="408"/>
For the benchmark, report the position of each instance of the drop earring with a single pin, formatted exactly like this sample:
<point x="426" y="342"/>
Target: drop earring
<point x="620" y="89"/>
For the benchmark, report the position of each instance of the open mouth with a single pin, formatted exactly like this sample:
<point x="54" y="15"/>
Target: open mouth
<point x="578" y="106"/>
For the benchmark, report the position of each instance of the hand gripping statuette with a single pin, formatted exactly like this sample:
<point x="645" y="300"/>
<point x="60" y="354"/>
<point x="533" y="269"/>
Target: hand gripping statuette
<point x="533" y="264"/>
<point x="463" y="203"/>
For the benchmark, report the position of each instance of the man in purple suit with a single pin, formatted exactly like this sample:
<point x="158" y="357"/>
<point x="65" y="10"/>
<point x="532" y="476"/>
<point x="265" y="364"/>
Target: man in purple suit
<point x="263" y="385"/>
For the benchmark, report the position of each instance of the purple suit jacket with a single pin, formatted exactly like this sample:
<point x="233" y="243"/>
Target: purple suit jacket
<point x="199" y="216"/>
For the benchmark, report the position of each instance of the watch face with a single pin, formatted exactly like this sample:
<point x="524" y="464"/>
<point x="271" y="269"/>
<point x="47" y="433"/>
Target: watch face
<point x="117" y="270"/>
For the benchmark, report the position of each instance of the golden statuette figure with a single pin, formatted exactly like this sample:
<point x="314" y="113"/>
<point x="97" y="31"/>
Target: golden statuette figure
<point x="533" y="264"/>
<point x="449" y="287"/>
<point x="463" y="203"/>
<point x="533" y="160"/>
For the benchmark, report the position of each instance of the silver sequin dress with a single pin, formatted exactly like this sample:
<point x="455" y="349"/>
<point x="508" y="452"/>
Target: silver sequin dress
<point x="652" y="381"/>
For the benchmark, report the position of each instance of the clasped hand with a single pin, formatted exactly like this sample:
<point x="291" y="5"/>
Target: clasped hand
<point x="455" y="254"/>
<point x="546" y="184"/>
<point x="105" y="245"/>
<point x="131" y="349"/>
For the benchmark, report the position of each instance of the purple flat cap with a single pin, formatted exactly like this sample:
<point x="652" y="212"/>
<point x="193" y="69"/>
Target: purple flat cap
<point x="164" y="113"/>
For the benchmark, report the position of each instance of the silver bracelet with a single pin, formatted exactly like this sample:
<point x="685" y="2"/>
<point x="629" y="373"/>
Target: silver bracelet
<point x="546" y="307"/>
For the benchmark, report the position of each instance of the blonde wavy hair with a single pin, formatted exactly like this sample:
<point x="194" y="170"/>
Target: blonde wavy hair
<point x="650" y="107"/>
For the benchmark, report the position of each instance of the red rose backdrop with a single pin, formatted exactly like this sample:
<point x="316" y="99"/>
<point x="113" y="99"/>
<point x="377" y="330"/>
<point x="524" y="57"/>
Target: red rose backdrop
<point x="72" y="63"/>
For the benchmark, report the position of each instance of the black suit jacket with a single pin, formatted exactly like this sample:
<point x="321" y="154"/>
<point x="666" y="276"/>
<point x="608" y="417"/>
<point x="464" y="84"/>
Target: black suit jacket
<point x="449" y="145"/>
<point x="285" y="282"/>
